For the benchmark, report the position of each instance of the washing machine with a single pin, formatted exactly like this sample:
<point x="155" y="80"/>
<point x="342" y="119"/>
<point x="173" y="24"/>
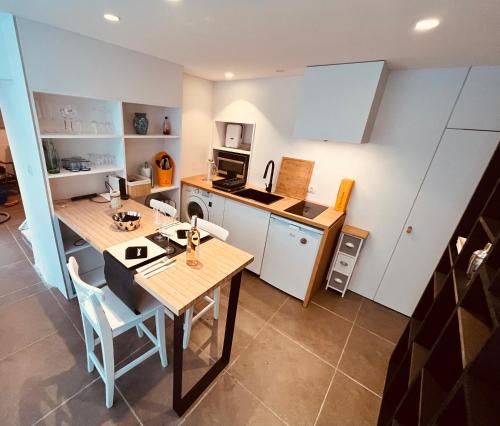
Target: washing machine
<point x="203" y="204"/>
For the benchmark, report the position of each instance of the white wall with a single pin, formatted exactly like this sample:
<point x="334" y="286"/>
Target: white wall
<point x="388" y="170"/>
<point x="63" y="62"/>
<point x="197" y="124"/>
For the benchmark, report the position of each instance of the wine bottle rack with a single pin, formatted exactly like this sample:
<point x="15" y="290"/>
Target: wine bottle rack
<point x="445" y="369"/>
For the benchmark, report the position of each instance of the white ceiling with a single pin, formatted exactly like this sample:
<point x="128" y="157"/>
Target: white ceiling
<point x="254" y="38"/>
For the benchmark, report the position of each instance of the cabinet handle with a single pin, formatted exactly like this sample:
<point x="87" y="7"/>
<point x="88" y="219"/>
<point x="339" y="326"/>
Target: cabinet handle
<point x="338" y="280"/>
<point x="303" y="241"/>
<point x="350" y="245"/>
<point x="409" y="230"/>
<point x="343" y="263"/>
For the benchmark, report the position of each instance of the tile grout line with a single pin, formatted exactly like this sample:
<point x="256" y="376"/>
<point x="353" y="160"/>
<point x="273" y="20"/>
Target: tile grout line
<point x="301" y="346"/>
<point x="13" y="263"/>
<point x="21" y="289"/>
<point x="332" y="312"/>
<point x="67" y="315"/>
<point x="200" y="399"/>
<point x="28" y="346"/>
<point x="359" y="383"/>
<point x="128" y="405"/>
<point x="258" y="399"/>
<point x="20" y="248"/>
<point x="64" y="402"/>
<point x="375" y="334"/>
<point x="338" y="363"/>
<point x="257" y="334"/>
<point x="324" y="399"/>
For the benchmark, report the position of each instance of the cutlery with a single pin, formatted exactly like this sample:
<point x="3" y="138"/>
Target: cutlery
<point x="153" y="272"/>
<point x="160" y="262"/>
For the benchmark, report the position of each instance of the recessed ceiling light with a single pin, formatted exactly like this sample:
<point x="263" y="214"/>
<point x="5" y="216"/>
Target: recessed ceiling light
<point x="111" y="18"/>
<point x="229" y="75"/>
<point x="426" y="24"/>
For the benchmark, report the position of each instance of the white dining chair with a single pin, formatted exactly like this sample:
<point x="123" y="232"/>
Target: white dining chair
<point x="189" y="319"/>
<point x="163" y="207"/>
<point x="103" y="312"/>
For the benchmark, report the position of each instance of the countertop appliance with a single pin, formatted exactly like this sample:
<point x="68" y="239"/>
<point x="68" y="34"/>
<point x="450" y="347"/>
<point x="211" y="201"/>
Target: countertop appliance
<point x="230" y="164"/>
<point x="306" y="209"/>
<point x="289" y="256"/>
<point x="203" y="204"/>
<point x="234" y="133"/>
<point x="229" y="184"/>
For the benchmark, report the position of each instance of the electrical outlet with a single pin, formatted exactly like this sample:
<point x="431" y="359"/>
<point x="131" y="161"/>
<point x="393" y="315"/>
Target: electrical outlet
<point x="311" y="189"/>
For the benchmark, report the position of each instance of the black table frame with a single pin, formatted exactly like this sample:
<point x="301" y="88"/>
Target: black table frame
<point x="182" y="403"/>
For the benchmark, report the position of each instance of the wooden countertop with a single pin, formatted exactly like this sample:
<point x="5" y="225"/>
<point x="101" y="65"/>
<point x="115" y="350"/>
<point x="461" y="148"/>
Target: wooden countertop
<point x="323" y="221"/>
<point x="177" y="287"/>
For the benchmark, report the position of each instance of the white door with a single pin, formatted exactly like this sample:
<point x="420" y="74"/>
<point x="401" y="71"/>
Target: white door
<point x="291" y="251"/>
<point x="247" y="228"/>
<point x="448" y="186"/>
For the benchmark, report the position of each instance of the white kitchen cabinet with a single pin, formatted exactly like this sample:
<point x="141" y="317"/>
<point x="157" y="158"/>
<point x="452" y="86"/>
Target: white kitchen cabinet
<point x="448" y="186"/>
<point x="478" y="106"/>
<point x="339" y="102"/>
<point x="291" y="251"/>
<point x="247" y="228"/>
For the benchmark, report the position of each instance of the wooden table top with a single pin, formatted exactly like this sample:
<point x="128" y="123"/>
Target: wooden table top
<point x="177" y="287"/>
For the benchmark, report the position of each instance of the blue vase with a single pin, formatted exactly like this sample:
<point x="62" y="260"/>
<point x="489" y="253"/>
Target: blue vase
<point x="141" y="123"/>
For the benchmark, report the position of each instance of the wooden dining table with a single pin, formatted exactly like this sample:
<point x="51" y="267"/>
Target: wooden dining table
<point x="178" y="287"/>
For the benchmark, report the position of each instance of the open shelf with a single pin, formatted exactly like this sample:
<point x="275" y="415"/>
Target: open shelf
<point x="408" y="411"/>
<point x="474" y="320"/>
<point x="419" y="356"/>
<point x="398" y="354"/>
<point x="94" y="277"/>
<point x="69" y="245"/>
<point x="78" y="136"/>
<point x="491" y="227"/>
<point x="157" y="188"/>
<point x="455" y="412"/>
<point x="439" y="280"/>
<point x="425" y="302"/>
<point x="236" y="150"/>
<point x="159" y="136"/>
<point x="431" y="396"/>
<point x="95" y="170"/>
<point x="438" y="315"/>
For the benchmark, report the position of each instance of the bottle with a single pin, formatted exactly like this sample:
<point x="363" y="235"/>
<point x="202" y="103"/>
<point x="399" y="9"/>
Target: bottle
<point x="167" y="128"/>
<point x="193" y="244"/>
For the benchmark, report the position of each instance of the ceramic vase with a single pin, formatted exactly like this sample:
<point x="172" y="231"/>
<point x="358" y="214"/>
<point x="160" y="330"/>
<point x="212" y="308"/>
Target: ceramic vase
<point x="141" y="123"/>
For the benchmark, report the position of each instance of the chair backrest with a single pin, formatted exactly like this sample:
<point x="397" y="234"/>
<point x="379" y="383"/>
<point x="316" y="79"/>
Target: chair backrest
<point x="163" y="207"/>
<point x="213" y="229"/>
<point x="89" y="299"/>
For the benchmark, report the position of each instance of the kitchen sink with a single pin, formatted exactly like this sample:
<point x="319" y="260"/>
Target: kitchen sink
<point x="260" y="196"/>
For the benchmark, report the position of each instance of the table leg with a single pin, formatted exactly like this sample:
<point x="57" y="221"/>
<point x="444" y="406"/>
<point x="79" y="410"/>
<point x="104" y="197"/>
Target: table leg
<point x="182" y="403"/>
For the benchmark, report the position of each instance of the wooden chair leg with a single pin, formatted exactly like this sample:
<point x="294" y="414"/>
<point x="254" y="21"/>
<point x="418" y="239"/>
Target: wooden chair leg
<point x="140" y="333"/>
<point x="109" y="369"/>
<point x="88" y="331"/>
<point x="188" y="321"/>
<point x="216" y="302"/>
<point x="160" y="336"/>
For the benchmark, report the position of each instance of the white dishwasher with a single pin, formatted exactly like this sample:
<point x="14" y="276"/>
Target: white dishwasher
<point x="289" y="257"/>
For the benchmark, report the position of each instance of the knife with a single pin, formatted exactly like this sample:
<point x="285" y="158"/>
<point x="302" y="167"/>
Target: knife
<point x="163" y="265"/>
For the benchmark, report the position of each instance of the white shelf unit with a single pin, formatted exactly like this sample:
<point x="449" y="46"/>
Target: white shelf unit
<point x="143" y="148"/>
<point x="105" y="129"/>
<point x="131" y="136"/>
<point x="219" y="138"/>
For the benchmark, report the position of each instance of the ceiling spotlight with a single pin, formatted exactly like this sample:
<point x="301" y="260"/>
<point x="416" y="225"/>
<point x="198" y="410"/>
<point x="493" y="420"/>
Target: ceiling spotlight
<point x="229" y="75"/>
<point x="426" y="24"/>
<point x="111" y="18"/>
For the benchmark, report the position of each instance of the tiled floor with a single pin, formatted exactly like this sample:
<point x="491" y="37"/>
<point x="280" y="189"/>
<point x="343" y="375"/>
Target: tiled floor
<point x="322" y="365"/>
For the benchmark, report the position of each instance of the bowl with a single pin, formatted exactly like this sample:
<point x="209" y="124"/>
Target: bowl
<point x="127" y="221"/>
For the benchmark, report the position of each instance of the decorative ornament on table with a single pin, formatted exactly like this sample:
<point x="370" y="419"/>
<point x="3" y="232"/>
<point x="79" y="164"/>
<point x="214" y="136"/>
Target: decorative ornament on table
<point x="141" y="123"/>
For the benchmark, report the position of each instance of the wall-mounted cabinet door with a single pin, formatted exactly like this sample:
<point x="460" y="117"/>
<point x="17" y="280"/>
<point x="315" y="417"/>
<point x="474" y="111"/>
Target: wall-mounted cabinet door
<point x="479" y="104"/>
<point x="451" y="180"/>
<point x="247" y="228"/>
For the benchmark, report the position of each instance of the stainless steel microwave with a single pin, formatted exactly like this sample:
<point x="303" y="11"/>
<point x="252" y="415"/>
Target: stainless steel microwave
<point x="230" y="164"/>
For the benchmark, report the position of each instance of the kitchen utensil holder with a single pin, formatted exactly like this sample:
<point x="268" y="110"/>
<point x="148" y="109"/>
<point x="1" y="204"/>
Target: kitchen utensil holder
<point x="164" y="177"/>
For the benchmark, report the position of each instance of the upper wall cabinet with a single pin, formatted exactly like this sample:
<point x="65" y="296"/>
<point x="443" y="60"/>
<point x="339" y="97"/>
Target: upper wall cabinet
<point x="478" y="107"/>
<point x="340" y="102"/>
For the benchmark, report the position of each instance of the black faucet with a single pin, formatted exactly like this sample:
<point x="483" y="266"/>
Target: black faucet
<point x="269" y="186"/>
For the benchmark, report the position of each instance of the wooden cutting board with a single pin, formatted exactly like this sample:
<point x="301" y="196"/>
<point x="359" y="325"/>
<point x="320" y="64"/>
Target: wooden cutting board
<point x="294" y="177"/>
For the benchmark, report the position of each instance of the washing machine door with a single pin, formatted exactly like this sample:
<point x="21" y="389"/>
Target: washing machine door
<point x="196" y="206"/>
